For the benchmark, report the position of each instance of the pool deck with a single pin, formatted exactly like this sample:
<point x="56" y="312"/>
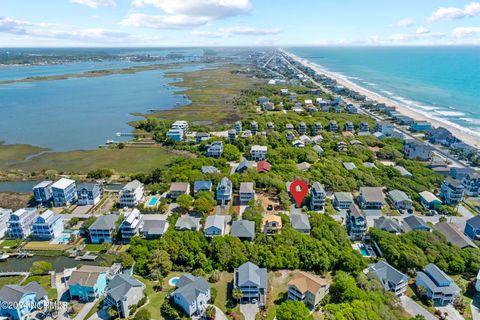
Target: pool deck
<point x="149" y="203"/>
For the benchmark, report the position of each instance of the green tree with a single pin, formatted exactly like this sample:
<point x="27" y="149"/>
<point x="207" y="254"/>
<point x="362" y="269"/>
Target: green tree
<point x="210" y="312"/>
<point x="231" y="152"/>
<point x="204" y="203"/>
<point x="142" y="314"/>
<point x="112" y="313"/>
<point x="40" y="267"/>
<point x="185" y="201"/>
<point x="237" y="294"/>
<point x="293" y="310"/>
<point x="125" y="259"/>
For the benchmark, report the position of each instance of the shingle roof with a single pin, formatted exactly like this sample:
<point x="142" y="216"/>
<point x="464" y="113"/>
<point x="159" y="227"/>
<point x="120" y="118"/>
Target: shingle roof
<point x="243" y="229"/>
<point x="343" y="196"/>
<point x="249" y="274"/>
<point x="386" y="224"/>
<point x="13" y="293"/>
<point x="474" y="222"/>
<point x="189" y="287"/>
<point x="62" y="183"/>
<point x="307" y="282"/>
<point x="300" y="221"/>
<point x="216" y="221"/>
<point x="105" y="222"/>
<point x="132" y="185"/>
<point x="209" y="169"/>
<point x="120" y="285"/>
<point x="387" y="275"/>
<point x="246" y="187"/>
<point x="431" y="278"/>
<point x="179" y="186"/>
<point x="454" y="235"/>
<point x="155" y="227"/>
<point x="187" y="222"/>
<point x="398" y="196"/>
<point x="415" y="223"/>
<point x="372" y="194"/>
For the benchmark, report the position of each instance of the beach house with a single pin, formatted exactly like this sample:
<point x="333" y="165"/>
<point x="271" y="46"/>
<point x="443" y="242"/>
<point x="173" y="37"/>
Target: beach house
<point x="19" y="302"/>
<point x="454" y="235"/>
<point x="243" y="229"/>
<point x="123" y="292"/>
<point x="387" y="224"/>
<point x="416" y="126"/>
<point x="103" y="229"/>
<point x="399" y="200"/>
<point x="391" y="279"/>
<point x="175" y="134"/>
<point x="254" y="127"/>
<point x="302" y="128"/>
<point x="232" y="135"/>
<point x="224" y="191"/>
<point x="42" y="192"/>
<point x="348" y="126"/>
<point x="271" y="223"/>
<point x="20" y="222"/>
<point x="64" y="192"/>
<point x="246" y="192"/>
<point x="307" y="288"/>
<point x="187" y="223"/>
<point x="87" y="283"/>
<point x="342" y="200"/>
<point x="178" y="188"/>
<point x="385" y="128"/>
<point x="429" y="200"/>
<point x="215" y="149"/>
<point x="131" y="224"/>
<point x="192" y="294"/>
<point x="356" y="223"/>
<point x="439" y="287"/>
<point x="252" y="281"/>
<point x="471" y="183"/>
<point x="131" y="194"/>
<point x="414" y="223"/>
<point x="451" y="191"/>
<point x="89" y="194"/>
<point x="180" y="124"/>
<point x="237" y="127"/>
<point x="263" y="166"/>
<point x="202" y="136"/>
<point x="300" y="222"/>
<point x="154" y="226"/>
<point x="215" y="225"/>
<point x="258" y="153"/>
<point x="332" y="126"/>
<point x="47" y="226"/>
<point x="4" y="216"/>
<point x="371" y="198"/>
<point x="317" y="197"/>
<point x="472" y="228"/>
<point x="202" y="185"/>
<point x="415" y="149"/>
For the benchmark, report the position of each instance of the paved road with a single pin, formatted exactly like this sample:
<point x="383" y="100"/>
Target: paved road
<point x="465" y="212"/>
<point x="414" y="308"/>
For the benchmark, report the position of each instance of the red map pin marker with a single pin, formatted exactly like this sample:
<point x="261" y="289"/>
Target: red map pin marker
<point x="299" y="190"/>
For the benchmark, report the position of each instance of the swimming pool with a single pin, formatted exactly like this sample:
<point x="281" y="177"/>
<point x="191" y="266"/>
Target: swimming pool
<point x="62" y="239"/>
<point x="173" y="281"/>
<point x="364" y="251"/>
<point x="153" y="201"/>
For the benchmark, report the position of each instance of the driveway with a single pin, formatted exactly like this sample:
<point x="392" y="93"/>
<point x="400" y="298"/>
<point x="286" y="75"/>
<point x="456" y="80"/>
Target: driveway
<point x="62" y="296"/>
<point x="413" y="308"/>
<point x="85" y="310"/>
<point x="475" y="306"/>
<point x="464" y="211"/>
<point x="249" y="310"/>
<point x="453" y="314"/>
<point x="219" y="315"/>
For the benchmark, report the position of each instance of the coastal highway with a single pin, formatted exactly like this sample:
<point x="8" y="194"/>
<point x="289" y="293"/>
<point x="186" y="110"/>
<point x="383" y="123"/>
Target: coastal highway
<point x="437" y="149"/>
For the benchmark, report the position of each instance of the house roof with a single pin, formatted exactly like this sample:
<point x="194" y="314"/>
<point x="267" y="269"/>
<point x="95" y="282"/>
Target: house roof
<point x="259" y="148"/>
<point x="398" y="196"/>
<point x="245" y="164"/>
<point x="13" y="292"/>
<point x="249" y="274"/>
<point x="300" y="221"/>
<point x="415" y="223"/>
<point x="387" y="224"/>
<point x="83" y="278"/>
<point x="263" y="166"/>
<point x="343" y="196"/>
<point x="202" y="185"/>
<point x="105" y="222"/>
<point x="272" y="218"/>
<point x="209" y="169"/>
<point x="35" y="287"/>
<point x="474" y="222"/>
<point x="187" y="222"/>
<point x="226" y="184"/>
<point x="120" y="285"/>
<point x="304" y="166"/>
<point x="155" y="227"/>
<point x="433" y="276"/>
<point x="349" y="165"/>
<point x="216" y="221"/>
<point x="189" y="287"/>
<point x="246" y="187"/>
<point x="304" y="282"/>
<point x="372" y="194"/>
<point x="132" y="185"/>
<point x="454" y="235"/>
<point x="43" y="184"/>
<point x="429" y="197"/>
<point x="355" y="211"/>
<point x="387" y="275"/>
<point x="88" y="186"/>
<point x="179" y="187"/>
<point x="243" y="229"/>
<point x="403" y="171"/>
<point x="62" y="183"/>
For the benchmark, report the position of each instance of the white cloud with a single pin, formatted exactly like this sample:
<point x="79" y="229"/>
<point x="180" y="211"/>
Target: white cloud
<point x="464" y="32"/>
<point x="96" y="3"/>
<point x="185" y="13"/>
<point x="451" y="13"/>
<point x="143" y="20"/>
<point x="407" y="22"/>
<point x="422" y="30"/>
<point x="232" y="31"/>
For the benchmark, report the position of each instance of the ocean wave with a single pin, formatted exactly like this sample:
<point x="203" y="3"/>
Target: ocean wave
<point x="387" y="92"/>
<point x="450" y="113"/>
<point x="370" y="83"/>
<point x="471" y="120"/>
<point x="428" y="108"/>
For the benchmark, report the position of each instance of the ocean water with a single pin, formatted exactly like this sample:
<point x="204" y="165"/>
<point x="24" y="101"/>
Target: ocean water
<point x="441" y="82"/>
<point x="82" y="113"/>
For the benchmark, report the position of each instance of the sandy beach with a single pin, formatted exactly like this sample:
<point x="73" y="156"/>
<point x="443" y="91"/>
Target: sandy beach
<point x="465" y="135"/>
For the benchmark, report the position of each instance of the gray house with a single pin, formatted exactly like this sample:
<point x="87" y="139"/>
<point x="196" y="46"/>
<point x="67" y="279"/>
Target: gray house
<point x="454" y="235"/>
<point x="399" y="200"/>
<point x="252" y="281"/>
<point x="414" y="223"/>
<point x="215" y="226"/>
<point x="187" y="223"/>
<point x="342" y="200"/>
<point x="387" y="224"/>
<point x="300" y="222"/>
<point x="472" y="228"/>
<point x="124" y="291"/>
<point x="391" y="279"/>
<point x="154" y="226"/>
<point x="439" y="287"/>
<point x="243" y="229"/>
<point x="192" y="294"/>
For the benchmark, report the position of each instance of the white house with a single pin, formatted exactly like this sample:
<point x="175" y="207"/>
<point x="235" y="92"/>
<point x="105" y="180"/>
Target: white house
<point x="258" y="153"/>
<point x="20" y="223"/>
<point x="247" y="192"/>
<point x="47" y="226"/>
<point x="192" y="294"/>
<point x="131" y="194"/>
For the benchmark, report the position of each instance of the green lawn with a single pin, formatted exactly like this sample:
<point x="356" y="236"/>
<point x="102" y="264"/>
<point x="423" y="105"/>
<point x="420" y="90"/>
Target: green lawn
<point x="10" y="243"/>
<point x="155" y="299"/>
<point x="96" y="247"/>
<point x="224" y="299"/>
<point x="10" y="280"/>
<point x="278" y="286"/>
<point x="127" y="160"/>
<point x="10" y="153"/>
<point x="44" y="281"/>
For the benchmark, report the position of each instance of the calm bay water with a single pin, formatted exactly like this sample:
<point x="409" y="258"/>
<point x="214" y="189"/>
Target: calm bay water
<point x="441" y="82"/>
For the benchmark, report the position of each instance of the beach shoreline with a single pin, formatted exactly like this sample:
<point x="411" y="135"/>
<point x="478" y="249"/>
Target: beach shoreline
<point x="465" y="135"/>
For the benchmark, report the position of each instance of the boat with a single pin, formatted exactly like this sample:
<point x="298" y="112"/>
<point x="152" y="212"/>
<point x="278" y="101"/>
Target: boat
<point x="4" y="256"/>
<point x="110" y="142"/>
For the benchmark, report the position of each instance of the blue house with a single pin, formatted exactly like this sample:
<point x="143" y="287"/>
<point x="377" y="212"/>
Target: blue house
<point x="438" y="286"/>
<point x="420" y="126"/>
<point x="43" y="192"/>
<point x="192" y="294"/>
<point x="202" y="185"/>
<point x="64" y="192"/>
<point x="175" y="134"/>
<point x="89" y="194"/>
<point x="87" y="283"/>
<point x="47" y="226"/>
<point x="472" y="228"/>
<point x="103" y="229"/>
<point x="18" y="302"/>
<point x="224" y="191"/>
<point x="429" y="200"/>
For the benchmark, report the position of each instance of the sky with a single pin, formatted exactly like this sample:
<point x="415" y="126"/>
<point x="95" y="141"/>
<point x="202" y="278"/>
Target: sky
<point x="118" y="23"/>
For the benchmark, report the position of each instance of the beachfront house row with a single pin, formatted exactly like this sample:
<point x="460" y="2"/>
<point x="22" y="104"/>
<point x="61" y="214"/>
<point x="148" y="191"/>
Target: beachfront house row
<point x="429" y="200"/>
<point x="192" y="294"/>
<point x="391" y="279"/>
<point x="19" y="302"/>
<point x="317" y="197"/>
<point x="178" y="188"/>
<point x="356" y="223"/>
<point x="215" y="149"/>
<point x="300" y="222"/>
<point x="87" y="283"/>
<point x="451" y="191"/>
<point x="243" y="229"/>
<point x="471" y="182"/>
<point x="47" y="226"/>
<point x="415" y="149"/>
<point x="123" y="292"/>
<point x="131" y="224"/>
<point x="258" y="153"/>
<point x="414" y="223"/>
<point x="371" y="198"/>
<point x="103" y="229"/>
<point x="42" y="192"/>
<point x="224" y="191"/>
<point x="131" y="194"/>
<point x="307" y="288"/>
<point x="400" y="200"/>
<point x="416" y="126"/>
<point x="19" y="224"/>
<point x="89" y="194"/>
<point x="342" y="200"/>
<point x="247" y="192"/>
<point x="439" y="287"/>
<point x="215" y="225"/>
<point x="472" y="228"/>
<point x="252" y="281"/>
<point x="385" y="128"/>
<point x="64" y="192"/>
